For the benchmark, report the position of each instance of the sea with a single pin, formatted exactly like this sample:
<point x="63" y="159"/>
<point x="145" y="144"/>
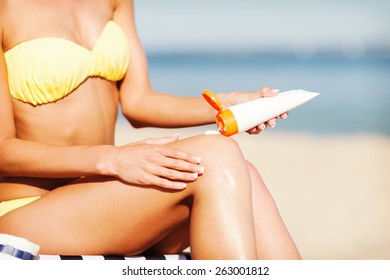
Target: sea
<point x="354" y="92"/>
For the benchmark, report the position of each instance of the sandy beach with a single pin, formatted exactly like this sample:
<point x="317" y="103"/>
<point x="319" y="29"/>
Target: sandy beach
<point x="332" y="191"/>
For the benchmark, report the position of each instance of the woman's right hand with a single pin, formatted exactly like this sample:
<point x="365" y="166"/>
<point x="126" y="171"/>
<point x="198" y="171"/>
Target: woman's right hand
<point x="151" y="162"/>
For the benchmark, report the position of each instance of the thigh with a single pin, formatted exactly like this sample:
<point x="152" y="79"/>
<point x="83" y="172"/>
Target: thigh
<point x="103" y="215"/>
<point x="99" y="216"/>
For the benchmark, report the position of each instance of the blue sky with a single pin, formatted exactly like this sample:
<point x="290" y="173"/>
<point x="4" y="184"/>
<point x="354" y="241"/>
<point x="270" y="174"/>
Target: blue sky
<point x="301" y="26"/>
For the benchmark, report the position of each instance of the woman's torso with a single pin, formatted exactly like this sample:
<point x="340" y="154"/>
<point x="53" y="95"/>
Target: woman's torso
<point x="87" y="115"/>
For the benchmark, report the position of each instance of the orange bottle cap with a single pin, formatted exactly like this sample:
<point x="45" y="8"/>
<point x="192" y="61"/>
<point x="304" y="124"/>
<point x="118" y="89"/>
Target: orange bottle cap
<point x="227" y="123"/>
<point x="212" y="99"/>
<point x="225" y="120"/>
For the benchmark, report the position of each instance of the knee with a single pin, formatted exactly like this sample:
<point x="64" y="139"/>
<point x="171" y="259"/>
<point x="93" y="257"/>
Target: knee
<point x="219" y="147"/>
<point x="221" y="153"/>
<point x="225" y="165"/>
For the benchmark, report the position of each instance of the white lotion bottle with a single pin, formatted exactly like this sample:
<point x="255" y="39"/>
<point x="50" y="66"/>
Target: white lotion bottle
<point x="241" y="117"/>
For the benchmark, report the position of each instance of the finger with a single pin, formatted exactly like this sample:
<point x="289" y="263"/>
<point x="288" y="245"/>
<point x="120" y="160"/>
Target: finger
<point x="263" y="91"/>
<point x="284" y="115"/>
<point x="153" y="180"/>
<point x="254" y="130"/>
<point x="180" y="165"/>
<point x="178" y="154"/>
<point x="257" y="129"/>
<point x="272" y="122"/>
<point x="167" y="184"/>
<point x="268" y="92"/>
<point x="161" y="140"/>
<point x="175" y="175"/>
<point x="262" y="126"/>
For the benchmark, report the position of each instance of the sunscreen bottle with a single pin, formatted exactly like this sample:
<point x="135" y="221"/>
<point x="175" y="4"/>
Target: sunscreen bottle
<point x="241" y="117"/>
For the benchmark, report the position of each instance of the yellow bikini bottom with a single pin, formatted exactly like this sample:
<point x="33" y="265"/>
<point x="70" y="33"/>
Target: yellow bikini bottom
<point x="10" y="205"/>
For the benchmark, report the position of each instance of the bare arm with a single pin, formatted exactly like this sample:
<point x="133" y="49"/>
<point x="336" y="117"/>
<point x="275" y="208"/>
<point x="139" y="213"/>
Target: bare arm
<point x="143" y="106"/>
<point x="140" y="103"/>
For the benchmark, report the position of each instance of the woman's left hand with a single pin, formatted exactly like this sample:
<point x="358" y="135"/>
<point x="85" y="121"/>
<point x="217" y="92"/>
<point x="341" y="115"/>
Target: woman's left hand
<point x="234" y="98"/>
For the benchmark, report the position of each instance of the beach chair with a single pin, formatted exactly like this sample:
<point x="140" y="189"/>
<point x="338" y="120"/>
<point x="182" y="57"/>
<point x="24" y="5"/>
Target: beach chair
<point x="17" y="248"/>
<point x="181" y="256"/>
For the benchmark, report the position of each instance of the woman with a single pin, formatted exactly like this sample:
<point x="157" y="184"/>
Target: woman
<point x="65" y="66"/>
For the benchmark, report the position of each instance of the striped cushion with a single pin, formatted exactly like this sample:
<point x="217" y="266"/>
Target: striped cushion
<point x="181" y="256"/>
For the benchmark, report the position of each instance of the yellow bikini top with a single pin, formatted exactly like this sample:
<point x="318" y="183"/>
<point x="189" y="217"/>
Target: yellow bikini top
<point x="47" y="69"/>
